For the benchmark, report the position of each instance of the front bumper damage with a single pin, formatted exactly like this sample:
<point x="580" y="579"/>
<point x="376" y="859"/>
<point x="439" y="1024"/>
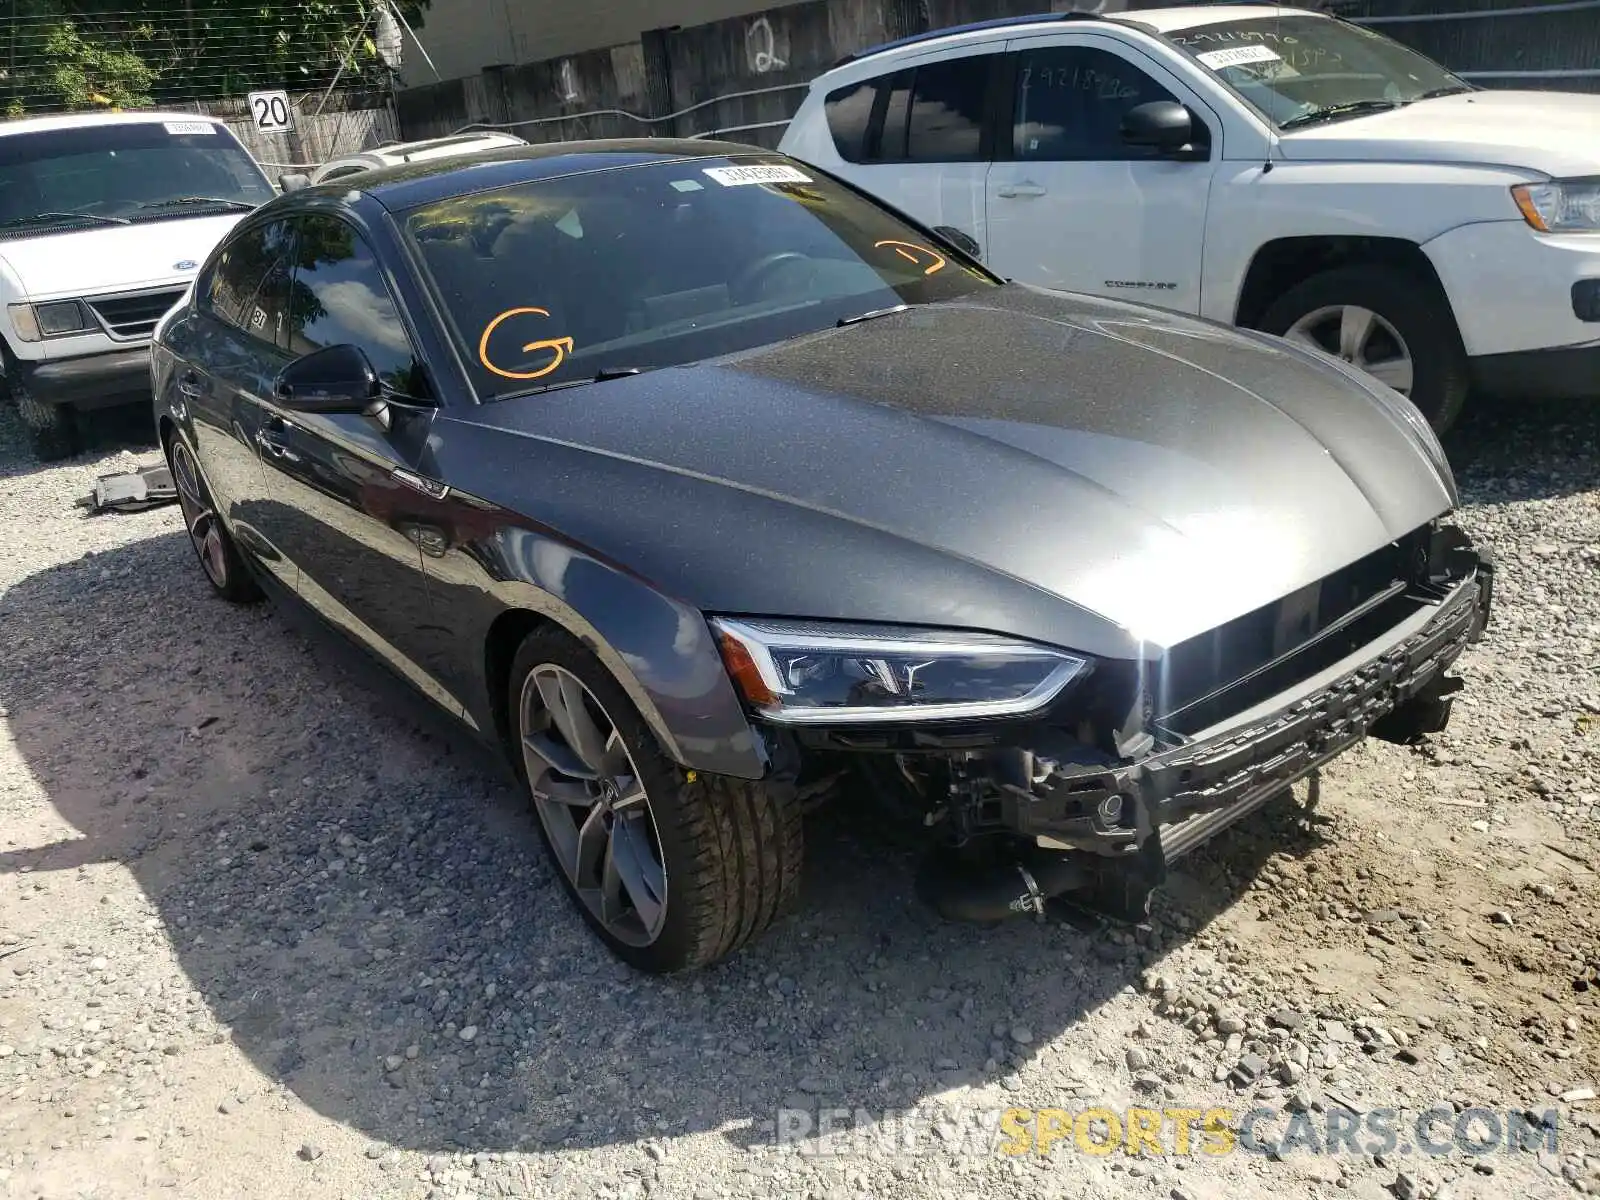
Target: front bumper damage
<point x="1163" y="805"/>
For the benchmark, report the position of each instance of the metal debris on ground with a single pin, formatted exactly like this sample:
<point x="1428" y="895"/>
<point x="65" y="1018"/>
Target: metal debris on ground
<point x="132" y="491"/>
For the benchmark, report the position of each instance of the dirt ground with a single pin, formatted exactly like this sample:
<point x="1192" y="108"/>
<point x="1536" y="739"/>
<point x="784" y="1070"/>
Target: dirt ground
<point x="267" y="929"/>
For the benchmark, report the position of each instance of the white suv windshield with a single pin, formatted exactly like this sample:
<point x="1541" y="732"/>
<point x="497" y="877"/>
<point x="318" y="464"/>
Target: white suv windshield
<point x="53" y="181"/>
<point x="1303" y="70"/>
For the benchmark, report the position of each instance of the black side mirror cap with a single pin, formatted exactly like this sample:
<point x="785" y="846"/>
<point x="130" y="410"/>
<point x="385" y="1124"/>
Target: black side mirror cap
<point x="1165" y="126"/>
<point x="292" y="181"/>
<point x="335" y="379"/>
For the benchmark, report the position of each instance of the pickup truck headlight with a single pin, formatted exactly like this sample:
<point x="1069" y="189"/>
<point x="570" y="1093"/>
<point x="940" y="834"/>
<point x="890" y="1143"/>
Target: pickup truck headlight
<point x="803" y="672"/>
<point x="1560" y="206"/>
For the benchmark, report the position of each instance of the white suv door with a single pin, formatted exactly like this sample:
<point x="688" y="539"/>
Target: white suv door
<point x="1072" y="206"/>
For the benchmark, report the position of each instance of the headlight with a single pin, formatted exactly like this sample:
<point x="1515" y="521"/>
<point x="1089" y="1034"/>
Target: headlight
<point x="33" y="321"/>
<point x="800" y="672"/>
<point x="1561" y="206"/>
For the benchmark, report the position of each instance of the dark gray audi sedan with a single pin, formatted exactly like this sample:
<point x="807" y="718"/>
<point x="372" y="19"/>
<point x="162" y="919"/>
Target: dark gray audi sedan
<point x="708" y="489"/>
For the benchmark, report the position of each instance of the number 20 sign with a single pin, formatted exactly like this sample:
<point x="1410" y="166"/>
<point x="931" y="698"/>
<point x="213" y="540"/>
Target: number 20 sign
<point x="271" y="111"/>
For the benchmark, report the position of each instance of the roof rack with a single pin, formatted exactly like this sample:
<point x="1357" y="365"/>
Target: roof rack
<point x="973" y="27"/>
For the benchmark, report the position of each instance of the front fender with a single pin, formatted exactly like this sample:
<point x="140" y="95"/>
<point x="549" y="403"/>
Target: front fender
<point x="486" y="564"/>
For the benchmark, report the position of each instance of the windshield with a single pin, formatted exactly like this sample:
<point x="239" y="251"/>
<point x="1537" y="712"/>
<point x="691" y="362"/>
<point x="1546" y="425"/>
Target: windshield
<point x="1300" y="69"/>
<point x="68" y="179"/>
<point x="650" y="266"/>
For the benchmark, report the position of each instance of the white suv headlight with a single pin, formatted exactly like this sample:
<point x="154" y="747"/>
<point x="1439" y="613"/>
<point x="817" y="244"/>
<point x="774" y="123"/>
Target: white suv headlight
<point x="804" y="672"/>
<point x="1560" y="206"/>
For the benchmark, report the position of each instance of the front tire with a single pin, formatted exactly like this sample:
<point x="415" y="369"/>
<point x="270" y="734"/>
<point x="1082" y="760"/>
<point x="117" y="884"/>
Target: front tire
<point x="672" y="869"/>
<point x="1387" y="322"/>
<point x="52" y="428"/>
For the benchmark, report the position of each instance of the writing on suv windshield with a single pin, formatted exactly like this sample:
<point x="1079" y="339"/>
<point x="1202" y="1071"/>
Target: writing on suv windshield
<point x="1306" y="70"/>
<point x="120" y="173"/>
<point x="605" y="274"/>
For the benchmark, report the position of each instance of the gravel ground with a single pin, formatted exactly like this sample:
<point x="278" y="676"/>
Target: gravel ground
<point x="267" y="929"/>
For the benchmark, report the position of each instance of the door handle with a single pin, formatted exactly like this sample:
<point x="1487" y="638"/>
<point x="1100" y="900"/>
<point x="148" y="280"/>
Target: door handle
<point x="189" y="386"/>
<point x="1012" y="190"/>
<point x="271" y="446"/>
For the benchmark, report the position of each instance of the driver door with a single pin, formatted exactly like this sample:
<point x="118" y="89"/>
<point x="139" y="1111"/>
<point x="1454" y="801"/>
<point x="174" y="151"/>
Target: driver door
<point x="1069" y="204"/>
<point x="351" y="507"/>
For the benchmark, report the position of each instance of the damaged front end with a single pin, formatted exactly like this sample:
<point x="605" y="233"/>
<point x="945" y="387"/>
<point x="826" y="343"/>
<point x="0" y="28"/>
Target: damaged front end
<point x="1136" y="763"/>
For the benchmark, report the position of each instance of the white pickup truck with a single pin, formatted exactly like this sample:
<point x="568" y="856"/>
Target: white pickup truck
<point x="1268" y="167"/>
<point x="104" y="220"/>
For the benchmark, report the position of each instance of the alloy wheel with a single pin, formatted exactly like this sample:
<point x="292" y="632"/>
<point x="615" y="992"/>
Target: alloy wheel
<point x="205" y="530"/>
<point x="593" y="805"/>
<point x="1361" y="337"/>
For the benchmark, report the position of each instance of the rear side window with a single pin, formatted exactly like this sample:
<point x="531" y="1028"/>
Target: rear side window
<point x="938" y="112"/>
<point x="248" y="280"/>
<point x="949" y="102"/>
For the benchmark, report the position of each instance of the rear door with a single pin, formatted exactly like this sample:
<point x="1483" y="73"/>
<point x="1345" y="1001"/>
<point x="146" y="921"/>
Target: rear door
<point x="351" y="501"/>
<point x="1070" y="205"/>
<point x="228" y="370"/>
<point x="928" y="137"/>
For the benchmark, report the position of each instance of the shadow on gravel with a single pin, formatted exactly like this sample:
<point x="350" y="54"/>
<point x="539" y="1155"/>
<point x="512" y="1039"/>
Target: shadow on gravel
<point x="1504" y="451"/>
<point x="127" y="427"/>
<point x="346" y="883"/>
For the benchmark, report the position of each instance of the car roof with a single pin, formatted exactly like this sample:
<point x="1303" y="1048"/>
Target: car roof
<point x="400" y="152"/>
<point x="425" y="181"/>
<point x="87" y="120"/>
<point x="1152" y="20"/>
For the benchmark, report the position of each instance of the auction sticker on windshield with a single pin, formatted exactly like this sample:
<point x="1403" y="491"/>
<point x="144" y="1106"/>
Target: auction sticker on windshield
<point x="734" y="176"/>
<point x="1238" y="55"/>
<point x="180" y="128"/>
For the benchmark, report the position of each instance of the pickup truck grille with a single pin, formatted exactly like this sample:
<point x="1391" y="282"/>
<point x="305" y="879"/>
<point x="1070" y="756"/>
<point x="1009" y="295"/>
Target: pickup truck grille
<point x="134" y="314"/>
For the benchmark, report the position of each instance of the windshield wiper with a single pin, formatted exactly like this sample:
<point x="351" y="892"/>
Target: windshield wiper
<point x="1455" y="89"/>
<point x="235" y="205"/>
<point x="869" y="316"/>
<point x="600" y="376"/>
<point x="1334" y="111"/>
<point x="50" y="217"/>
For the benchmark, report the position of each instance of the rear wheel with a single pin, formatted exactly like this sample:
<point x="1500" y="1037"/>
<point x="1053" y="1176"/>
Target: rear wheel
<point x="672" y="869"/>
<point x="219" y="557"/>
<point x="1387" y="322"/>
<point x="52" y="428"/>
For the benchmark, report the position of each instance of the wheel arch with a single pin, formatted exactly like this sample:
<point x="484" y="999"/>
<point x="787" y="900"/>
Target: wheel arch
<point x="1283" y="263"/>
<point x="681" y="690"/>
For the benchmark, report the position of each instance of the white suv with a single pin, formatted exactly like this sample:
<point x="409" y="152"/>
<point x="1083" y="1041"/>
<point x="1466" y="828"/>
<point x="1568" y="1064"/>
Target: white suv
<point x="1267" y="167"/>
<point x="104" y="220"/>
<point x="396" y="153"/>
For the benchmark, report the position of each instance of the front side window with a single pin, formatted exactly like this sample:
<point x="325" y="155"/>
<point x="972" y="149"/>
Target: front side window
<point x="561" y="280"/>
<point x="1300" y="69"/>
<point x="55" y="181"/>
<point x="1071" y="101"/>
<point x="339" y="297"/>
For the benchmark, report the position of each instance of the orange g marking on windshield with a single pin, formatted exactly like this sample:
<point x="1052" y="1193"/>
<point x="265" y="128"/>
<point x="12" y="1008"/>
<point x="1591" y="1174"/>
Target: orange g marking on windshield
<point x="561" y="346"/>
<point x="915" y="254"/>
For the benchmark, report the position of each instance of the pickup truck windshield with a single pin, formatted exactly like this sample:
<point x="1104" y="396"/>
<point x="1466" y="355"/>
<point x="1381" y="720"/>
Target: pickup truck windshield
<point x="606" y="273"/>
<point x="63" y="180"/>
<point x="1303" y="70"/>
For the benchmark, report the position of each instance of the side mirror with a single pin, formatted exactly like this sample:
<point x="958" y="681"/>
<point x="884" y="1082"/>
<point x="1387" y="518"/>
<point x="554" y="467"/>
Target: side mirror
<point x="965" y="242"/>
<point x="335" y="379"/>
<point x="1165" y="125"/>
<point x="293" y="182"/>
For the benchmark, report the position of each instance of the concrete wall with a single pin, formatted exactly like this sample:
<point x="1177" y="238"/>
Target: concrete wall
<point x="465" y="36"/>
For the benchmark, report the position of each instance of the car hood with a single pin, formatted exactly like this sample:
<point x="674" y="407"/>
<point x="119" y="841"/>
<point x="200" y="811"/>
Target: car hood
<point x="1068" y="468"/>
<point x="112" y="258"/>
<point x="1557" y="133"/>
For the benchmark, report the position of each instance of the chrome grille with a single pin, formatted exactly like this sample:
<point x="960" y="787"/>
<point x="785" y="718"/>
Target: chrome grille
<point x="134" y="314"/>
